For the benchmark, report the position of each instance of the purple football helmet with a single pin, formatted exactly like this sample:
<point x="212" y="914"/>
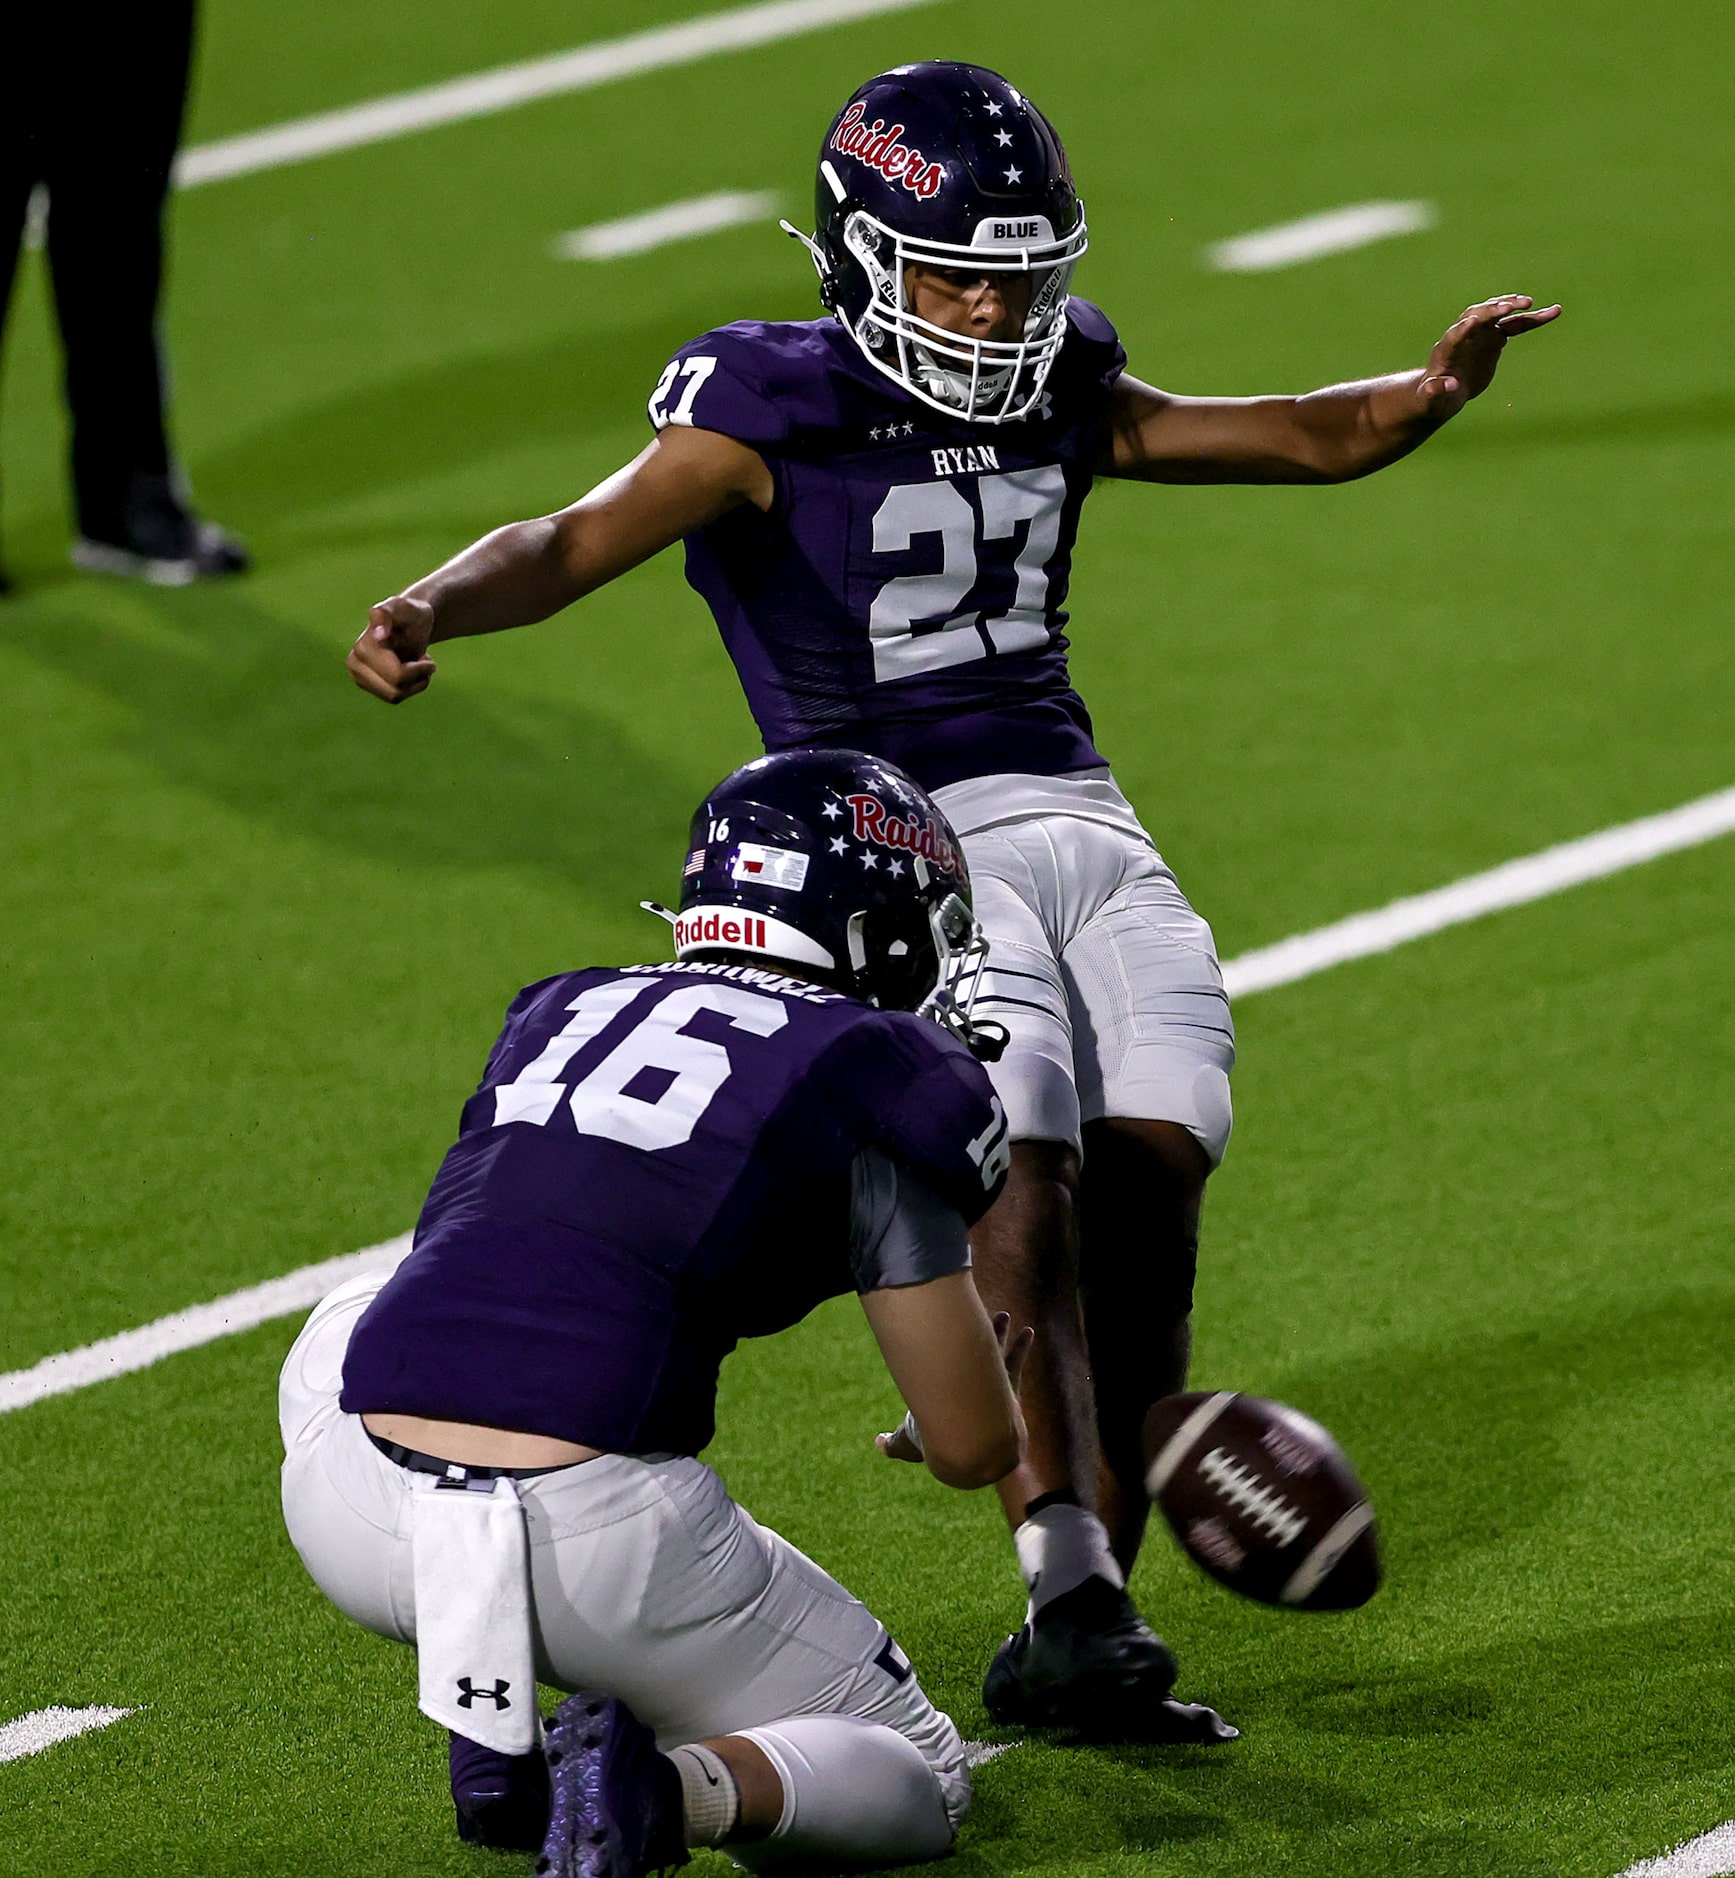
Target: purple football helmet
<point x="946" y="166"/>
<point x="841" y="866"/>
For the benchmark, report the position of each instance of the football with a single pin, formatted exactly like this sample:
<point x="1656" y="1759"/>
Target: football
<point x="1262" y="1498"/>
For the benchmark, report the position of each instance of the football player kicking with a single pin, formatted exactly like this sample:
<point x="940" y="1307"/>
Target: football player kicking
<point x="880" y="509"/>
<point x="491" y="1451"/>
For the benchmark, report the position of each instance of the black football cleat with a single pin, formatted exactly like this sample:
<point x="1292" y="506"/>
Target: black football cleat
<point x="615" y="1810"/>
<point x="1090" y="1662"/>
<point x="149" y="533"/>
<point x="206" y="552"/>
<point x="501" y="1800"/>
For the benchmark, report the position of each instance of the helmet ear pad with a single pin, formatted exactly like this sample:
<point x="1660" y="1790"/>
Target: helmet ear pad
<point x="898" y="954"/>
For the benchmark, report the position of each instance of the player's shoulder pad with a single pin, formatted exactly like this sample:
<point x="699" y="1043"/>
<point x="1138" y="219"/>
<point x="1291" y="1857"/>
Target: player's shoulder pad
<point x="521" y="1012"/>
<point x="570" y="983"/>
<point x="928" y="1103"/>
<point x="535" y="1003"/>
<point x="1093" y="354"/>
<point x="759" y="381"/>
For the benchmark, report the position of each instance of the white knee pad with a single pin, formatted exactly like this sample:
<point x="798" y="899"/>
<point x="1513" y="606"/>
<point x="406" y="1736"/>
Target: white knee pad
<point x="854" y="1793"/>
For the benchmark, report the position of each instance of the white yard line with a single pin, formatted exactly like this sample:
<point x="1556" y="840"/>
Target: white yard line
<point x="1711" y="1855"/>
<point x="1516" y="883"/>
<point x="657" y="228"/>
<point x="30" y="1734"/>
<point x="1336" y="231"/>
<point x="507" y="86"/>
<point x="187" y="1330"/>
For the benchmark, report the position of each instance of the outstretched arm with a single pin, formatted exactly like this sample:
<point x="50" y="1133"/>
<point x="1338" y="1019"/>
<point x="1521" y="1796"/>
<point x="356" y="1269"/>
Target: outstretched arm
<point x="1328" y="436"/>
<point x="529" y="570"/>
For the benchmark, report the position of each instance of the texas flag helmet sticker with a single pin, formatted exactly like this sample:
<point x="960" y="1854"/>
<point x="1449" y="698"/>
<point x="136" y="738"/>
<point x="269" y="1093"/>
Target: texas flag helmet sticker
<point x="769" y="867"/>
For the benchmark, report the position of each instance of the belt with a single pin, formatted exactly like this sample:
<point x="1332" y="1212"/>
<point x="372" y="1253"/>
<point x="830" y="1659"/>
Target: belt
<point x="459" y="1473"/>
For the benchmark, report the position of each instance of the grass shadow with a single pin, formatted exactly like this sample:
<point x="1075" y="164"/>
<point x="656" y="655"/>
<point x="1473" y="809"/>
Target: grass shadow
<point x="224" y="697"/>
<point x="447" y="415"/>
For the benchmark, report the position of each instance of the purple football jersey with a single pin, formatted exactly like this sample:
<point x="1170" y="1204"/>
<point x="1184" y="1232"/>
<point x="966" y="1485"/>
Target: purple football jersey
<point x="658" y="1163"/>
<point x="904" y="594"/>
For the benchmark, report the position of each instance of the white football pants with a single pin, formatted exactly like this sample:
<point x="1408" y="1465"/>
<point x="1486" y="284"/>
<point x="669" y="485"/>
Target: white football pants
<point x="649" y="1583"/>
<point x="1099" y="968"/>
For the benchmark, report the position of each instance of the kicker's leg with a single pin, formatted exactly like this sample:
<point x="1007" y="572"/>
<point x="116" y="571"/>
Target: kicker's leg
<point x="1025" y="1251"/>
<point x="1084" y="1659"/>
<point x="1140" y="1196"/>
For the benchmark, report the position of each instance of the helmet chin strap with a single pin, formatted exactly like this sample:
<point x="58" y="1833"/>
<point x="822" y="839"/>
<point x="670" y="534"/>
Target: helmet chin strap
<point x="952" y="384"/>
<point x="815" y="253"/>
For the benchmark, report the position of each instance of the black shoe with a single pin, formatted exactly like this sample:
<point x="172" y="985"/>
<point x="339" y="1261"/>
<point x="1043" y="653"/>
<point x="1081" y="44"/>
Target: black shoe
<point x="1090" y="1662"/>
<point x="616" y="1807"/>
<point x="501" y="1800"/>
<point x="208" y="553"/>
<point x="149" y="533"/>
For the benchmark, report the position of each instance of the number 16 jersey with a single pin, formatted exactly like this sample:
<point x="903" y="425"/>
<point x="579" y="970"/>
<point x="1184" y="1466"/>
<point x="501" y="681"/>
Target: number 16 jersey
<point x="904" y="593"/>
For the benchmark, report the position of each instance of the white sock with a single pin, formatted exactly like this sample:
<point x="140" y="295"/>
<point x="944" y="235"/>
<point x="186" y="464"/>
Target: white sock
<point x="710" y="1799"/>
<point x="1059" y="1548"/>
<point x="854" y="1793"/>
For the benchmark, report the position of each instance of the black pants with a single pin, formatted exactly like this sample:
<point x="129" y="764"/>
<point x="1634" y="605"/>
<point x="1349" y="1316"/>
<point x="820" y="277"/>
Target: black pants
<point x="91" y="102"/>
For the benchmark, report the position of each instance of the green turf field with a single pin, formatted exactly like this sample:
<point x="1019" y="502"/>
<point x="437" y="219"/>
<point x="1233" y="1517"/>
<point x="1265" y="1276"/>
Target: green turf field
<point x="258" y="930"/>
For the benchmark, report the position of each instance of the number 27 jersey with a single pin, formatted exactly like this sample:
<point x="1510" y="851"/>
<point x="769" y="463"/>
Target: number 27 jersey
<point x="904" y="594"/>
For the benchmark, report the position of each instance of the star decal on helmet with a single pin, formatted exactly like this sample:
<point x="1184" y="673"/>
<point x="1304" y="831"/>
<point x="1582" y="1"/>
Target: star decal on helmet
<point x="1004" y="139"/>
<point x="833" y="809"/>
<point x="838" y="845"/>
<point x="869" y="858"/>
<point x="1015" y="174"/>
<point x="896" y="868"/>
<point x="993" y="108"/>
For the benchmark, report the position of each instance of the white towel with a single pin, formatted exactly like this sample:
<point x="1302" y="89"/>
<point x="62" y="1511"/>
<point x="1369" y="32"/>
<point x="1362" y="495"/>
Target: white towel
<point x="473" y="1649"/>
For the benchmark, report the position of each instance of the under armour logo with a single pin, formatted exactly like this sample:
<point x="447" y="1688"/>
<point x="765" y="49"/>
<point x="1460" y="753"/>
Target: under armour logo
<point x="469" y="1694"/>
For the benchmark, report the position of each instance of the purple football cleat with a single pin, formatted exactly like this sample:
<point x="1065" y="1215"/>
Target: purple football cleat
<point x="501" y="1800"/>
<point x="615" y="1810"/>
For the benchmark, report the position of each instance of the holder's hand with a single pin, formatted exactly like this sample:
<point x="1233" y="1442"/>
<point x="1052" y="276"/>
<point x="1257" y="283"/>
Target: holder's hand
<point x="904" y="1443"/>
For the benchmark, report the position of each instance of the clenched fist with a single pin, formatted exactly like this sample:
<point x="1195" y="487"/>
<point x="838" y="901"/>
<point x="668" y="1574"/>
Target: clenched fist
<point x="390" y="659"/>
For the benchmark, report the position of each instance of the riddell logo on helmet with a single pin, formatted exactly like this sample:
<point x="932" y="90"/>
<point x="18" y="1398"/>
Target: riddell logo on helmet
<point x="876" y="823"/>
<point x="720" y="929"/>
<point x="881" y="149"/>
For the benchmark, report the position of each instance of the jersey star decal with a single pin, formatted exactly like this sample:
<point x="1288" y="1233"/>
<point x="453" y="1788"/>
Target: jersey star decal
<point x="909" y="429"/>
